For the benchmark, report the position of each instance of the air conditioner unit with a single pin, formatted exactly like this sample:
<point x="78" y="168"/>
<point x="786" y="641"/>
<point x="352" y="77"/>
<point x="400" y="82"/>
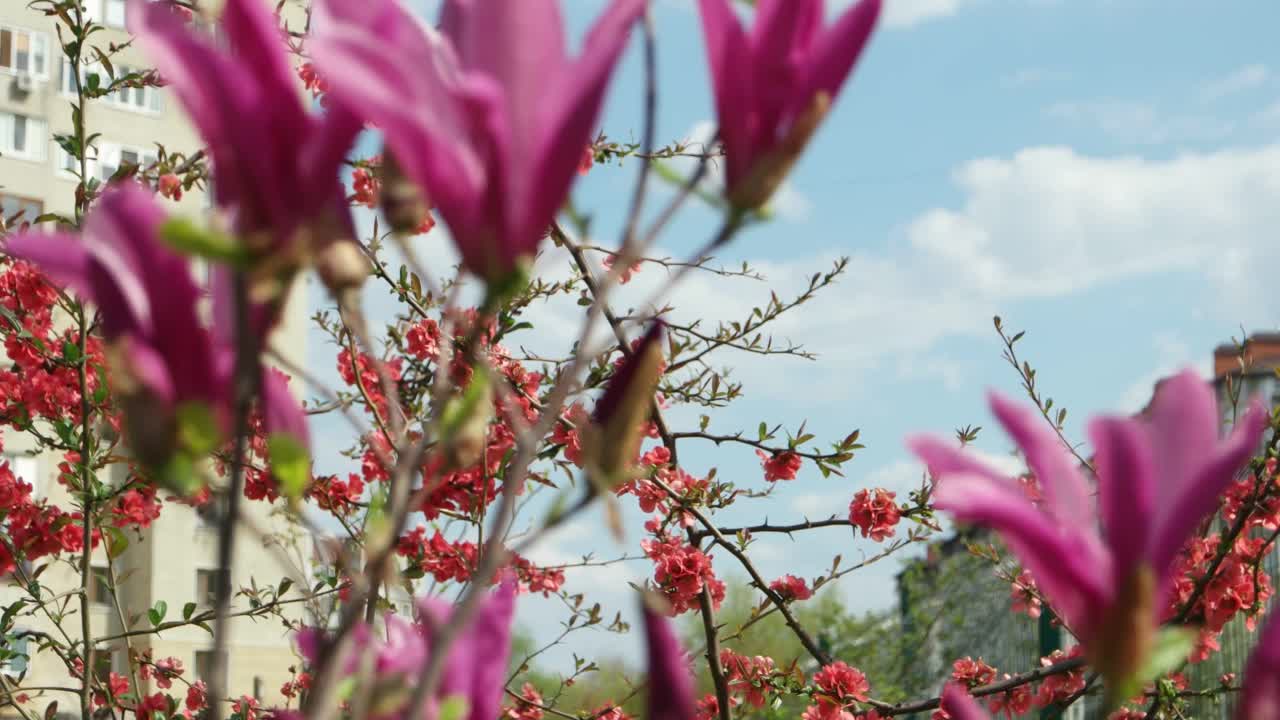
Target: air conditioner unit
<point x="24" y="83"/>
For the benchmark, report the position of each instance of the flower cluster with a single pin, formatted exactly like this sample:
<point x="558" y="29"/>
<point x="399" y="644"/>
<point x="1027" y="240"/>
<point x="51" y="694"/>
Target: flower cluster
<point x="875" y="513"/>
<point x="681" y="571"/>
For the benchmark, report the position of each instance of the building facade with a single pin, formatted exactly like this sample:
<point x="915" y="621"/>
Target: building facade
<point x="174" y="561"/>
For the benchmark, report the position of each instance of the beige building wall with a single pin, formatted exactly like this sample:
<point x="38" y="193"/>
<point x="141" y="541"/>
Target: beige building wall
<point x="164" y="562"/>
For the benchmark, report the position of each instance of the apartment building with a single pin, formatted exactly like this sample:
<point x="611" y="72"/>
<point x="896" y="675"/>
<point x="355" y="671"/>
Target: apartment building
<point x="174" y="561"/>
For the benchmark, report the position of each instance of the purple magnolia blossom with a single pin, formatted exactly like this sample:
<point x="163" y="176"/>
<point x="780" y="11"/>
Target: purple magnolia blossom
<point x="774" y="83"/>
<point x="1106" y="573"/>
<point x="620" y="413"/>
<point x="959" y="705"/>
<point x="146" y="298"/>
<point x="276" y="164"/>
<point x="1260" y="699"/>
<point x="670" y="685"/>
<point x="161" y="355"/>
<point x="477" y="664"/>
<point x="489" y="116"/>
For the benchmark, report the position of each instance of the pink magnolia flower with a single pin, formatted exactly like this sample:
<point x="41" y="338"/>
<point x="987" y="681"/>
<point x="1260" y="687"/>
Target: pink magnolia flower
<point x="670" y="684"/>
<point x="277" y="164"/>
<point x="477" y="658"/>
<point x="161" y="356"/>
<point x="774" y="83"/>
<point x="489" y="117"/>
<point x="1107" y="577"/>
<point x="1260" y="698"/>
<point x="959" y="705"/>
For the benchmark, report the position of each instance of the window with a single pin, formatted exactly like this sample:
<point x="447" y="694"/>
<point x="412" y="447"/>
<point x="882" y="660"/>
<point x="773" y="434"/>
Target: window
<point x="207" y="587"/>
<point x="205" y="660"/>
<point x="137" y="99"/>
<point x="14" y="211"/>
<point x="103" y="161"/>
<point x="21" y="136"/>
<point x="23" y="52"/>
<point x="112" y="157"/>
<point x="210" y="514"/>
<point x="24" y="467"/>
<point x="105" y="12"/>
<point x="114" y="13"/>
<point x="99" y="586"/>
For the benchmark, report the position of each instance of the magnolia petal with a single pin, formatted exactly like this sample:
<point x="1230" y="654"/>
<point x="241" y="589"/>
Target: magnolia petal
<point x="280" y="410"/>
<point x="148" y="368"/>
<point x="220" y="95"/>
<point x="403" y="651"/>
<point x="62" y="256"/>
<point x="1074" y="577"/>
<point x="572" y="120"/>
<point x="1199" y="495"/>
<point x="520" y="45"/>
<point x="1260" y="696"/>
<point x="1126" y="489"/>
<point x="490" y="639"/>
<point x="388" y="81"/>
<point x="780" y="41"/>
<point x="838" y="48"/>
<point x="1065" y="491"/>
<point x="960" y="705"/>
<point x="943" y="458"/>
<point x="670" y="684"/>
<point x="255" y="38"/>
<point x="727" y="53"/>
<point x="1185" y="426"/>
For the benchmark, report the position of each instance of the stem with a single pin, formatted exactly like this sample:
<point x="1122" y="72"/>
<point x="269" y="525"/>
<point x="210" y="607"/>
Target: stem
<point x="86" y="481"/>
<point x="713" y="647"/>
<point x="245" y="387"/>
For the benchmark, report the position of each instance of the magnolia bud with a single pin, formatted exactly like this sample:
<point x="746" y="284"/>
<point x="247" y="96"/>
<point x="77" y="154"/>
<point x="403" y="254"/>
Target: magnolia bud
<point x="149" y="424"/>
<point x="617" y="426"/>
<point x="404" y="205"/>
<point x="769" y="170"/>
<point x="465" y="422"/>
<point x="342" y="266"/>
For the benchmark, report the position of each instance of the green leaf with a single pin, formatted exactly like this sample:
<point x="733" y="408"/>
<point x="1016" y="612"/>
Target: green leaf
<point x="117" y="542"/>
<point x="100" y="392"/>
<point x="186" y="237"/>
<point x="289" y="464"/>
<point x="283" y="588"/>
<point x="1171" y="649"/>
<point x="188" y="610"/>
<point x="454" y="707"/>
<point x="156" y="614"/>
<point x="198" y="430"/>
<point x="179" y="475"/>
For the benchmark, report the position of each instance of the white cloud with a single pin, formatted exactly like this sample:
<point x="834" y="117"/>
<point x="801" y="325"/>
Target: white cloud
<point x="908" y="13"/>
<point x="1140" y="122"/>
<point x="1268" y="117"/>
<point x="1030" y="77"/>
<point x="1171" y="355"/>
<point x="1045" y="222"/>
<point x="1239" y="80"/>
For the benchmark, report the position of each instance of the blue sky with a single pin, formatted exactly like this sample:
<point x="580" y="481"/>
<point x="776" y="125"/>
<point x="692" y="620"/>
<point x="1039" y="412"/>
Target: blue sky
<point x="1104" y="174"/>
